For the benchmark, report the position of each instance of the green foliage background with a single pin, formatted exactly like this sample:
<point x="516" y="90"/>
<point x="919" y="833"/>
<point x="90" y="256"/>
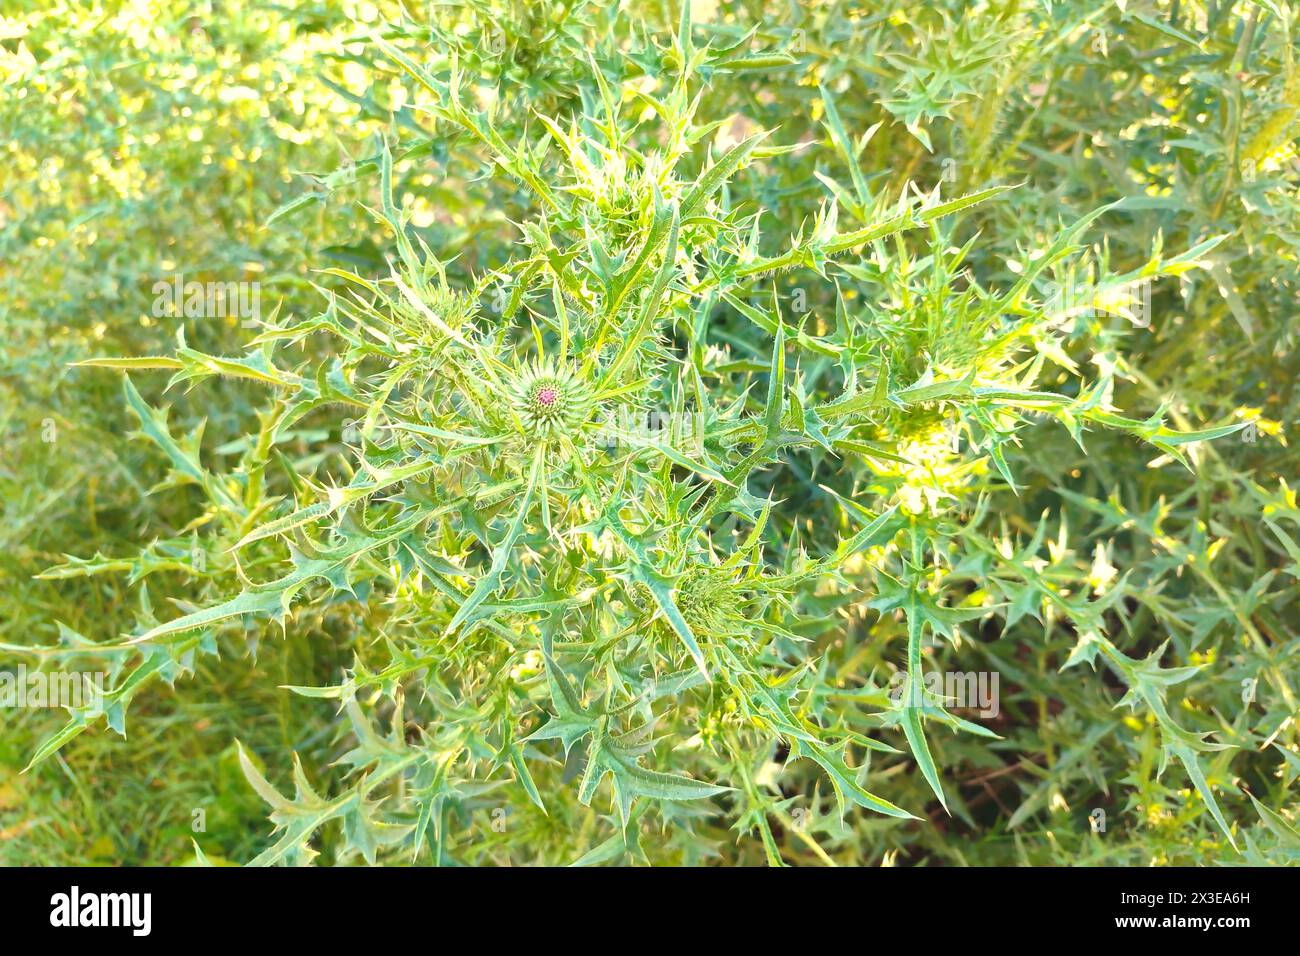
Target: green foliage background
<point x="832" y="236"/>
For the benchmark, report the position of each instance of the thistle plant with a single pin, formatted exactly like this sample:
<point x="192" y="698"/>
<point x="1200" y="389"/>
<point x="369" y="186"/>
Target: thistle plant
<point x="581" y="643"/>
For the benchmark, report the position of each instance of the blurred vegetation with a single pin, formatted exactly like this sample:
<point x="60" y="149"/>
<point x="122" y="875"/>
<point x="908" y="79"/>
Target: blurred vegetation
<point x="245" y="142"/>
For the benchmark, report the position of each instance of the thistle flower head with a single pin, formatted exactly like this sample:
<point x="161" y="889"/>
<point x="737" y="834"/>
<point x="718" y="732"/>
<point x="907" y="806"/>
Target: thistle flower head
<point x="549" y="401"/>
<point x="708" y="598"/>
